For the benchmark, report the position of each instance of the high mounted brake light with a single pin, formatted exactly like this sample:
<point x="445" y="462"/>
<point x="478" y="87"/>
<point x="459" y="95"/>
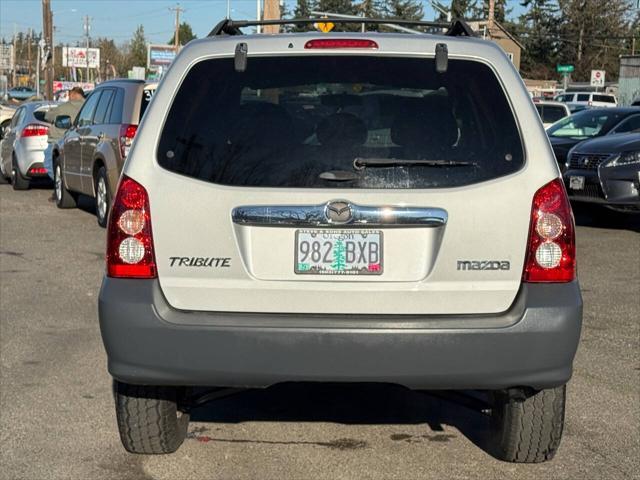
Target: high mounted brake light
<point x="337" y="43"/>
<point x="551" y="251"/>
<point x="130" y="252"/>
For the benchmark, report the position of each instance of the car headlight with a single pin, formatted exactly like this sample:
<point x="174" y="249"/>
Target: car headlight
<point x="625" y="158"/>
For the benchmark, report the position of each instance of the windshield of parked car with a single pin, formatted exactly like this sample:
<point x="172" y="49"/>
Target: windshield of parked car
<point x="303" y="121"/>
<point x="584" y="124"/>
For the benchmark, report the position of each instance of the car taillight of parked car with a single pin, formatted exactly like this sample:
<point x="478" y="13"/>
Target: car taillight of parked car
<point x="127" y="133"/>
<point x="130" y="252"/>
<point x="551" y="250"/>
<point x="35" y="130"/>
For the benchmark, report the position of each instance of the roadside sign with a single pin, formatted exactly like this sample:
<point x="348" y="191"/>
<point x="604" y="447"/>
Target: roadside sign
<point x="160" y="56"/>
<point x="597" y="78"/>
<point x="324" y="27"/>
<point x="564" y="68"/>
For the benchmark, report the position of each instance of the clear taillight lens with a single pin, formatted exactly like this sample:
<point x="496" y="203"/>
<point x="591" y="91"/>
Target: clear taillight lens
<point x="551" y="251"/>
<point x="127" y="134"/>
<point x="130" y="252"/>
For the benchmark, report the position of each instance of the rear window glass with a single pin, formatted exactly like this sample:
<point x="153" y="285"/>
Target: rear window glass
<point x="583" y="97"/>
<point x="604" y="98"/>
<point x="341" y="122"/>
<point x="147" y="94"/>
<point x="551" y="113"/>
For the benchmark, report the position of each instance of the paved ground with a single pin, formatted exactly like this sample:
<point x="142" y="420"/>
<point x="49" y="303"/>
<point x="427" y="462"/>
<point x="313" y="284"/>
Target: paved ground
<point x="57" y="418"/>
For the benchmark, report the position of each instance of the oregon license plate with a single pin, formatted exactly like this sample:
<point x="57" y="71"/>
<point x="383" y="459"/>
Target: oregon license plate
<point x="338" y="252"/>
<point x="576" y="183"/>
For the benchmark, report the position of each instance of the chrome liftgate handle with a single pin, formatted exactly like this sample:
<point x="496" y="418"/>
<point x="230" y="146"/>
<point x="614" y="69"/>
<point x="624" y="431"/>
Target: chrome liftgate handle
<point x="339" y="213"/>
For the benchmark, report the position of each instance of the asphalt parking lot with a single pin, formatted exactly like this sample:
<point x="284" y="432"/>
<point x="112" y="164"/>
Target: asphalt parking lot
<point x="58" y="421"/>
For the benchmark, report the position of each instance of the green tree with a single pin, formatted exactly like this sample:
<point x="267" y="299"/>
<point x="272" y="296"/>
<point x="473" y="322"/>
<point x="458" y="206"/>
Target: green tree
<point x="538" y="28"/>
<point x="592" y="37"/>
<point x="137" y="56"/>
<point x="303" y="9"/>
<point x="185" y="34"/>
<point x="462" y="8"/>
<point x="404" y="9"/>
<point x="500" y="10"/>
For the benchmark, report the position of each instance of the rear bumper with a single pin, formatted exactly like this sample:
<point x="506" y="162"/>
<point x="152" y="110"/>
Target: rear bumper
<point x="532" y="344"/>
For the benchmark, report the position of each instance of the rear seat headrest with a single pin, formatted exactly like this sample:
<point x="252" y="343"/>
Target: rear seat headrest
<point x="341" y="130"/>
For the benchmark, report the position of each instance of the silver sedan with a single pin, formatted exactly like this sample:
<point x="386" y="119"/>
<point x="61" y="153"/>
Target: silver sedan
<point x="23" y="146"/>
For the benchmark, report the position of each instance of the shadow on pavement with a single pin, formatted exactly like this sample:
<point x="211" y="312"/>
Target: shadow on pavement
<point x="351" y="404"/>
<point x="595" y="216"/>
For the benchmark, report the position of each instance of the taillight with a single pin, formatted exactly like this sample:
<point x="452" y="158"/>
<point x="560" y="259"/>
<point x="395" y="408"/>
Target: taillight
<point x="37" y="171"/>
<point x="551" y="250"/>
<point x="340" y="43"/>
<point x="127" y="132"/>
<point x="35" y="130"/>
<point x="129" y="241"/>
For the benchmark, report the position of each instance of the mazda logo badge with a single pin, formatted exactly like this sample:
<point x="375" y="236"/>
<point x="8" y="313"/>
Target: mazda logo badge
<point x="339" y="212"/>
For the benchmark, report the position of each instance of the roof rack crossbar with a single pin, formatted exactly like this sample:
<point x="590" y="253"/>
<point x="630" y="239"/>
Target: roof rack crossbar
<point x="457" y="27"/>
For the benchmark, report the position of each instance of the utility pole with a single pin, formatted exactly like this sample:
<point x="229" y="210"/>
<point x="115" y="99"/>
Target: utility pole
<point x="29" y="36"/>
<point x="176" y="40"/>
<point x="86" y="53"/>
<point x="271" y="12"/>
<point x="492" y="14"/>
<point x="15" y="57"/>
<point x="47" y="30"/>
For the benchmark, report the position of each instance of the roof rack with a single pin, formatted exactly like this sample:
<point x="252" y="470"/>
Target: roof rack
<point x="456" y="28"/>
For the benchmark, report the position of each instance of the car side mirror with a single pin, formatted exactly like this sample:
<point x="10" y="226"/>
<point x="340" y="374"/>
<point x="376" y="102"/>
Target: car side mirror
<point x="63" y="121"/>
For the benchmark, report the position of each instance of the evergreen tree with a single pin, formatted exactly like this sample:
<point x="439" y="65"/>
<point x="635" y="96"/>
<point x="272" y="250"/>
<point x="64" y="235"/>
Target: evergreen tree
<point x="481" y="11"/>
<point x="462" y="8"/>
<point x="137" y="56"/>
<point x="185" y="34"/>
<point x="405" y="9"/>
<point x="303" y="9"/>
<point x="539" y="27"/>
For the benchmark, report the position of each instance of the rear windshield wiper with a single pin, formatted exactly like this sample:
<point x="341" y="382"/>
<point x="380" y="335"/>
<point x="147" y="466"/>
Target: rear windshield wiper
<point x="360" y="163"/>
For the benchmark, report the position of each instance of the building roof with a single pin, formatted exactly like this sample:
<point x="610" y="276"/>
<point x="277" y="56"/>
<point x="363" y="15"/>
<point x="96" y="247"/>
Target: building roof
<point x="479" y="25"/>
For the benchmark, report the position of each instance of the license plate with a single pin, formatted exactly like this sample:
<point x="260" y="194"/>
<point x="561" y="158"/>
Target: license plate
<point x="338" y="252"/>
<point x="576" y="183"/>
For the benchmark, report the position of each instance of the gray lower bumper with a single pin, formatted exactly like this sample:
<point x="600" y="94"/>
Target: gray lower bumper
<point x="532" y="344"/>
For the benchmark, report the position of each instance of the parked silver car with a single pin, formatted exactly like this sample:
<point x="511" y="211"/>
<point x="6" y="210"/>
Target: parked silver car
<point x="22" y="148"/>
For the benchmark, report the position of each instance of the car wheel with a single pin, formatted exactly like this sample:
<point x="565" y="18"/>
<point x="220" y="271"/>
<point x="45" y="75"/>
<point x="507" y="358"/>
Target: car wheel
<point x="3" y="174"/>
<point x="103" y="197"/>
<point x="3" y="128"/>
<point x="17" y="180"/>
<point x="64" y="198"/>
<point x="150" y="419"/>
<point x="528" y="430"/>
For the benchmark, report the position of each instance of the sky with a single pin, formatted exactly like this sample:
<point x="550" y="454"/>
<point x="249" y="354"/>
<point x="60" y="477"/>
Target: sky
<point x="118" y="19"/>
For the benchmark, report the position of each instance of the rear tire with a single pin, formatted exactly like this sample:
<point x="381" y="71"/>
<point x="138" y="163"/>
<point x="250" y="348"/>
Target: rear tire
<point x="103" y="197"/>
<point x="528" y="430"/>
<point x="3" y="179"/>
<point x="64" y="198"/>
<point x="17" y="180"/>
<point x="149" y="419"/>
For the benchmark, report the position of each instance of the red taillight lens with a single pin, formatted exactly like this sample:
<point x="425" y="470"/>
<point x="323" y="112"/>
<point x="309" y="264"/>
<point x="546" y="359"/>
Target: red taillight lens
<point x="340" y="43"/>
<point x="551" y="250"/>
<point x="129" y="240"/>
<point x="37" y="171"/>
<point x="127" y="133"/>
<point x="35" y="130"/>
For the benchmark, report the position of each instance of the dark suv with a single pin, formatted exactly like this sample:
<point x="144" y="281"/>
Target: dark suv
<point x="89" y="158"/>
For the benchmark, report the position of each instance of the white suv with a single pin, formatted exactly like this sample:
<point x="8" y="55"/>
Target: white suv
<point x="580" y="100"/>
<point x="344" y="207"/>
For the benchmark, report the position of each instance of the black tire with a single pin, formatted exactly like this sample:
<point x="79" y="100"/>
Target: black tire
<point x="17" y="180"/>
<point x="150" y="420"/>
<point x="3" y="127"/>
<point x="102" y="211"/>
<point x="3" y="180"/>
<point x="528" y="430"/>
<point x="64" y="198"/>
